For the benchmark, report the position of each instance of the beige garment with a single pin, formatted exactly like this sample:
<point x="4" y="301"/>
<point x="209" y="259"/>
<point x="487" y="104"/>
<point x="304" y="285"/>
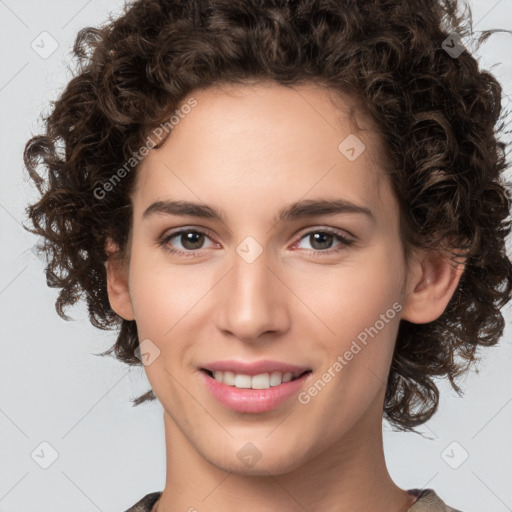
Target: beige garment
<point x="428" y="501"/>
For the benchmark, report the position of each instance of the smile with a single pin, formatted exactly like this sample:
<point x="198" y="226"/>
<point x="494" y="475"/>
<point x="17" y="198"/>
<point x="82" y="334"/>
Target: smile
<point x="260" y="381"/>
<point x="258" y="393"/>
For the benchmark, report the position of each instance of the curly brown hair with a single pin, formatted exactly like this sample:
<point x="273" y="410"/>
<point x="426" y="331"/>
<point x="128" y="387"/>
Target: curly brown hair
<point x="437" y="114"/>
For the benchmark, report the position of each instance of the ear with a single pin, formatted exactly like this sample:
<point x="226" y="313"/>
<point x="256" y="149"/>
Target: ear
<point x="117" y="282"/>
<point x="432" y="280"/>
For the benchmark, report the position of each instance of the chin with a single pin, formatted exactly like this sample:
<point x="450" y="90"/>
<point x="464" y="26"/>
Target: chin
<point x="248" y="460"/>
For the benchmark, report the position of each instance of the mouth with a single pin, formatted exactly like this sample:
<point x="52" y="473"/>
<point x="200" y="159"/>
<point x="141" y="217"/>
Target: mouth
<point x="258" y="393"/>
<point x="263" y="380"/>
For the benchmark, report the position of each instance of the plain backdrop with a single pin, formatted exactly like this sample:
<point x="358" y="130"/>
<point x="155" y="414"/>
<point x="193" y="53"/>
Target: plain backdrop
<point x="60" y="401"/>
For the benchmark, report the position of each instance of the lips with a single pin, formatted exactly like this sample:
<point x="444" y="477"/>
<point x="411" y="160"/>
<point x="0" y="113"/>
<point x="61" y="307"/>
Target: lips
<point x="254" y="387"/>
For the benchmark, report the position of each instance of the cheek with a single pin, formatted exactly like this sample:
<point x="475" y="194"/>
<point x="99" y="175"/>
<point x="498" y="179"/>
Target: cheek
<point x="363" y="323"/>
<point x="169" y="304"/>
<point x="161" y="296"/>
<point x="359" y="310"/>
<point x="351" y="297"/>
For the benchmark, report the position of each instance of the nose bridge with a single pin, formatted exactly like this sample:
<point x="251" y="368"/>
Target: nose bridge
<point x="252" y="303"/>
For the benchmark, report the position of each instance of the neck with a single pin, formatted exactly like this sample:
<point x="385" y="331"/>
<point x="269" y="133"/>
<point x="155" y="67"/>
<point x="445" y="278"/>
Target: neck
<point x="348" y="476"/>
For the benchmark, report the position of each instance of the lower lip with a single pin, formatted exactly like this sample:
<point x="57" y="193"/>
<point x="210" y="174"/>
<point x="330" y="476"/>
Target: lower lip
<point x="253" y="400"/>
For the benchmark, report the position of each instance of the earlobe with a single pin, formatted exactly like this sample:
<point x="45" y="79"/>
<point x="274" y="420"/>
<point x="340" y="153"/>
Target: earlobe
<point x="433" y="281"/>
<point x="117" y="282"/>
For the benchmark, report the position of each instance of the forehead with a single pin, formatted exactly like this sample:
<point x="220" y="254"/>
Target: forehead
<point x="307" y="112"/>
<point x="266" y="138"/>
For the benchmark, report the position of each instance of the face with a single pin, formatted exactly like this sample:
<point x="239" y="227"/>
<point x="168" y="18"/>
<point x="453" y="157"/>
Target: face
<point x="316" y="292"/>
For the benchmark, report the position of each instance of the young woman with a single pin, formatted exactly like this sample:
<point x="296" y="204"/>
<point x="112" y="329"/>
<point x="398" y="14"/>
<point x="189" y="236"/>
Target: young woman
<point x="295" y="213"/>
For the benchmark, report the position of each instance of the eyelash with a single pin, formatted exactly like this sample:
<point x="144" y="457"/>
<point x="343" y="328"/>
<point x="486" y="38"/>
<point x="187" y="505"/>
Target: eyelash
<point x="164" y="241"/>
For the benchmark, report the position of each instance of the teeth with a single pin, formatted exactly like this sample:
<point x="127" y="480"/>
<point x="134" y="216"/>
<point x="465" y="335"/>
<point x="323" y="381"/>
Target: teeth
<point x="242" y="381"/>
<point x="260" y="381"/>
<point x="228" y="378"/>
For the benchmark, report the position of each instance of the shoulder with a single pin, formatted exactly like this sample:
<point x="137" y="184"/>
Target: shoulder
<point x="146" y="503"/>
<point x="429" y="501"/>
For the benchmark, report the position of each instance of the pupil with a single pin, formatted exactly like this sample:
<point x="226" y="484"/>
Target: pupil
<point x="321" y="236"/>
<point x="188" y="242"/>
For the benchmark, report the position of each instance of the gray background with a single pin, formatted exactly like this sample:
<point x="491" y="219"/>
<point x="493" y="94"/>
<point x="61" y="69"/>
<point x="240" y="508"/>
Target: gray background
<point x="53" y="389"/>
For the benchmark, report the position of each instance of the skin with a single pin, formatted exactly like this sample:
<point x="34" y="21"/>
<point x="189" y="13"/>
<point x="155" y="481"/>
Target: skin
<point x="252" y="150"/>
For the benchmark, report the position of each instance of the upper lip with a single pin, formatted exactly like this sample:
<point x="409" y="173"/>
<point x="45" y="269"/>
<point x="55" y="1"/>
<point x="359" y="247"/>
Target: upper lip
<point x="255" y="367"/>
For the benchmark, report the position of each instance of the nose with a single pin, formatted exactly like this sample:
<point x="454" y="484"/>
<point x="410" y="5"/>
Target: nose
<point x="252" y="301"/>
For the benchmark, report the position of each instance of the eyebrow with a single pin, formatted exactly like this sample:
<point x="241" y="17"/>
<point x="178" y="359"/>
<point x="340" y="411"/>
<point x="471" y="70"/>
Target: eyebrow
<point x="298" y="210"/>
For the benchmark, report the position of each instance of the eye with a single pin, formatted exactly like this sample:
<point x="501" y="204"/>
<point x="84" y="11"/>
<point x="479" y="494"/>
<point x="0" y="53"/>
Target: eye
<point x="322" y="239"/>
<point x="191" y="241"/>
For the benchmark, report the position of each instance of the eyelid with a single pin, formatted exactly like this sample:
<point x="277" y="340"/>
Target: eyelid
<point x="167" y="235"/>
<point x="326" y="229"/>
<point x="336" y="232"/>
<point x="345" y="241"/>
<point x="300" y="234"/>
